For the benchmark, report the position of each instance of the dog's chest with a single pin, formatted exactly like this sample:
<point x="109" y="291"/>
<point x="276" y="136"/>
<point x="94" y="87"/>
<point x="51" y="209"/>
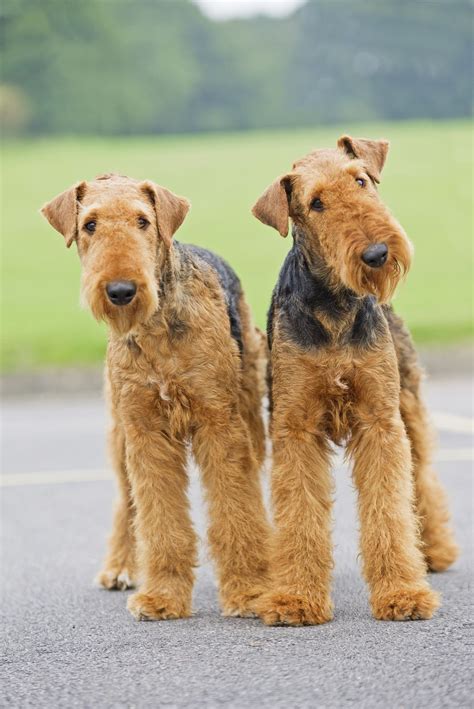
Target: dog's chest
<point x="339" y="402"/>
<point x="149" y="362"/>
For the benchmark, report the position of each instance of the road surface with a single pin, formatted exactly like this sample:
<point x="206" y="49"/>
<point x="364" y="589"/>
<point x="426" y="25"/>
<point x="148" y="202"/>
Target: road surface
<point x="68" y="644"/>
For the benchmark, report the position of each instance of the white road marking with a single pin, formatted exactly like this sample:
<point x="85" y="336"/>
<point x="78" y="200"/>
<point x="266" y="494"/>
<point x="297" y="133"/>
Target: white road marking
<point x="53" y="477"/>
<point x="442" y="420"/>
<point x="442" y="455"/>
<point x="452" y="422"/>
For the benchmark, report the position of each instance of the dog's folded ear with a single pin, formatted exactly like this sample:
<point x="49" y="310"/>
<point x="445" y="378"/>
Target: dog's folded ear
<point x="170" y="210"/>
<point x="61" y="212"/>
<point x="373" y="153"/>
<point x="273" y="207"/>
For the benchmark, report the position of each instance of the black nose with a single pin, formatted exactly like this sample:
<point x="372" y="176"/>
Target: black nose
<point x="121" y="292"/>
<point x="375" y="255"/>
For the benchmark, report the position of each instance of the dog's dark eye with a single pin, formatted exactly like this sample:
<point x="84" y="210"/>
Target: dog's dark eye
<point x="360" y="181"/>
<point x="143" y="223"/>
<point x="90" y="226"/>
<point x="317" y="205"/>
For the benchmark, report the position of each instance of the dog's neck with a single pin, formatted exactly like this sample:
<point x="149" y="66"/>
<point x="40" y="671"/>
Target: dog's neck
<point x="311" y="259"/>
<point x="338" y="311"/>
<point x="167" y="268"/>
<point x="169" y="279"/>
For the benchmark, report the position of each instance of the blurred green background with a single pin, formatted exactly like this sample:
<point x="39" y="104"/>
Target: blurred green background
<point x="215" y="111"/>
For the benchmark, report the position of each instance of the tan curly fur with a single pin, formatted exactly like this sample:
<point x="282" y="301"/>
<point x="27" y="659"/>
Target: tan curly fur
<point x="175" y="376"/>
<point x="344" y="371"/>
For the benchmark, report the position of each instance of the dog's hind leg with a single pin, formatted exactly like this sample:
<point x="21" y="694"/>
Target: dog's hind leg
<point x="119" y="568"/>
<point x="439" y="545"/>
<point x="119" y="565"/>
<point x="254" y="361"/>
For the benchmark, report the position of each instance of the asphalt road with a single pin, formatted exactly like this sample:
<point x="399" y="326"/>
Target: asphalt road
<point x="68" y="644"/>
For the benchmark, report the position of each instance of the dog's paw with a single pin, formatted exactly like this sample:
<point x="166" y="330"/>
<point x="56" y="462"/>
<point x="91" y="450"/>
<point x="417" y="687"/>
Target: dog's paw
<point x="115" y="579"/>
<point x="406" y="604"/>
<point x="439" y="557"/>
<point x="241" y="605"/>
<point x="292" y="609"/>
<point x="147" y="606"/>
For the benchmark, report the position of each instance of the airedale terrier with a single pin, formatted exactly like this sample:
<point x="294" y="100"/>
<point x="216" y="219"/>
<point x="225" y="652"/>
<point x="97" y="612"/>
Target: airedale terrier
<point x="184" y="364"/>
<point x="344" y="370"/>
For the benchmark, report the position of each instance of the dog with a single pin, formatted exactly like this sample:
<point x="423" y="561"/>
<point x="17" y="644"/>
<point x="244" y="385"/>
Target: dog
<point x="344" y="370"/>
<point x="185" y="364"/>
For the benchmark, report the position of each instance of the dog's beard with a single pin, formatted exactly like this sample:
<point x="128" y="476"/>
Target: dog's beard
<point x="124" y="318"/>
<point x="380" y="282"/>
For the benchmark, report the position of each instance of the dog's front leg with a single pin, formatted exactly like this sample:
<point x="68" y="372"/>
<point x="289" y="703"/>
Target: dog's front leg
<point x="394" y="564"/>
<point x="238" y="531"/>
<point x="301" y="561"/>
<point x="165" y="540"/>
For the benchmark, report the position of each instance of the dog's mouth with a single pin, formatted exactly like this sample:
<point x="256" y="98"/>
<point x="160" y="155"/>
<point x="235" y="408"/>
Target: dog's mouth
<point x="122" y="303"/>
<point x="376" y="255"/>
<point x="376" y="268"/>
<point x="381" y="280"/>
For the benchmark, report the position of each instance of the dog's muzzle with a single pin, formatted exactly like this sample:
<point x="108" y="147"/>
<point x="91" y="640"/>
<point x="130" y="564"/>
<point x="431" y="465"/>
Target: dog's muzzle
<point x="375" y="255"/>
<point x="121" y="292"/>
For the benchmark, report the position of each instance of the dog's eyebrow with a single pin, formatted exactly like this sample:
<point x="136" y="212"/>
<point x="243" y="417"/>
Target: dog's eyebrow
<point x="141" y="204"/>
<point x="355" y="167"/>
<point x="318" y="187"/>
<point x="88" y="210"/>
<point x="142" y="208"/>
<point x="88" y="216"/>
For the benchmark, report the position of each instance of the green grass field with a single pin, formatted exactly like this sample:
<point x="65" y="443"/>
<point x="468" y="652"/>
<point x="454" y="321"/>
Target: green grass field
<point x="427" y="183"/>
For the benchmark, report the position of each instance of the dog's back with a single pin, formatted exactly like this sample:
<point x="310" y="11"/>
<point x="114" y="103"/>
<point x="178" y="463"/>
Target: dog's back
<point x="251" y="342"/>
<point x="228" y="279"/>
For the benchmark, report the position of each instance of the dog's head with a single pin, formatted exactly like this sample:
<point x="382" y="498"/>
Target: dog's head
<point x="123" y="229"/>
<point x="332" y="198"/>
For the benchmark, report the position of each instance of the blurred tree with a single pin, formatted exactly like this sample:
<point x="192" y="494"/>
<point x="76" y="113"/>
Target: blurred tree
<point x="15" y="111"/>
<point x="153" y="66"/>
